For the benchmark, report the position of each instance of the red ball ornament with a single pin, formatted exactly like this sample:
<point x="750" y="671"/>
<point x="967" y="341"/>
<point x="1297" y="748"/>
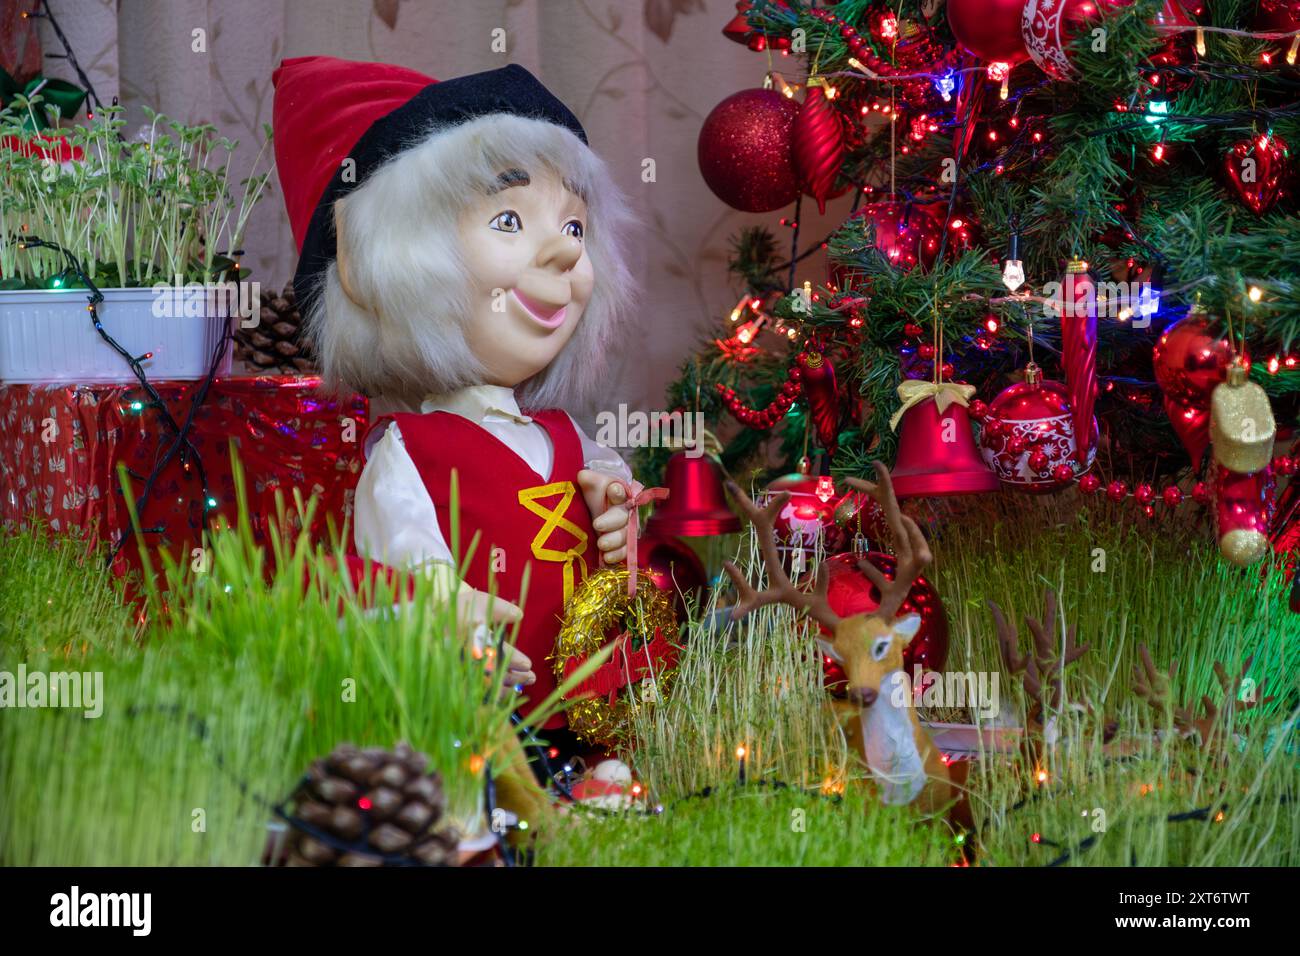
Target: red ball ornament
<point x="673" y="567"/>
<point x="1258" y="169"/>
<point x="1201" y="493"/>
<point x="1144" y="493"/>
<point x="906" y="234"/>
<point x="1089" y="484"/>
<point x="1038" y="419"/>
<point x="1172" y="496"/>
<point x="1049" y="26"/>
<point x="1277" y="16"/>
<point x="979" y="410"/>
<point x="818" y="146"/>
<point x="850" y="592"/>
<point x="744" y="151"/>
<point x="913" y="331"/>
<point x="1189" y="362"/>
<point x="1117" y="491"/>
<point x="1063" y="474"/>
<point x="808" y="515"/>
<point x="926" y="351"/>
<point x="989" y="28"/>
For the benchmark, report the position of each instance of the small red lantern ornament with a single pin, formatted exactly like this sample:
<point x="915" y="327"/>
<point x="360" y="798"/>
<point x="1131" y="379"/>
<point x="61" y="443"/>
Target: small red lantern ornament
<point x="1036" y="436"/>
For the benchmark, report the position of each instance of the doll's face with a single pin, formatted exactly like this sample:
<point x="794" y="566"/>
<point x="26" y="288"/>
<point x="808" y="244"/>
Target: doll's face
<point x="529" y="272"/>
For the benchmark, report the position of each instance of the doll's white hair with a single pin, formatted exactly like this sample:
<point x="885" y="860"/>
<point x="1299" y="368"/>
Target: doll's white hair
<point x="398" y="328"/>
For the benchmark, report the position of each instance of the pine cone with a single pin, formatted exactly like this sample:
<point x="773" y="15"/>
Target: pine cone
<point x="276" y="344"/>
<point x="371" y="804"/>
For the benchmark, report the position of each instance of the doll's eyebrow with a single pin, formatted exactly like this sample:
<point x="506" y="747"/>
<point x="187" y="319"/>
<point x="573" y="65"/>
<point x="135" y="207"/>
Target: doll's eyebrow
<point x="518" y="177"/>
<point x="511" y="177"/>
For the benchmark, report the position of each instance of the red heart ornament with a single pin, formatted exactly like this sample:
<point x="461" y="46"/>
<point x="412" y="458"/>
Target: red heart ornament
<point x="1258" y="168"/>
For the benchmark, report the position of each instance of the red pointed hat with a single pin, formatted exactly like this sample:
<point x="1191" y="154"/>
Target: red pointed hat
<point x="328" y="110"/>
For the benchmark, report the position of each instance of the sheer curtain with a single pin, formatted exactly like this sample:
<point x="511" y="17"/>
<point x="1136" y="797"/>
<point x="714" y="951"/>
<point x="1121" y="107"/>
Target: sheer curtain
<point x="640" y="74"/>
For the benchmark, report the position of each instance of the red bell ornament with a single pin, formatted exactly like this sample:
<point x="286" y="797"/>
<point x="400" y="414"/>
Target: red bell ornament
<point x="1036" y="436"/>
<point x="989" y="28"/>
<point x="697" y="503"/>
<point x="850" y="592"/>
<point x="1189" y="361"/>
<point x="936" y="446"/>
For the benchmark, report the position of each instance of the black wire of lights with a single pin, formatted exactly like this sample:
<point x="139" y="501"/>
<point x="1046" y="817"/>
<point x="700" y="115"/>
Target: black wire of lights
<point x="181" y="444"/>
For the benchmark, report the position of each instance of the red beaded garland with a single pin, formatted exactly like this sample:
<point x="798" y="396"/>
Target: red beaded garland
<point x="1117" y="491"/>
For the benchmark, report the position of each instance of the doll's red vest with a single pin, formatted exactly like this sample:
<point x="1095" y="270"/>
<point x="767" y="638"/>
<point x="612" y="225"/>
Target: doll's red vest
<point x="523" y="520"/>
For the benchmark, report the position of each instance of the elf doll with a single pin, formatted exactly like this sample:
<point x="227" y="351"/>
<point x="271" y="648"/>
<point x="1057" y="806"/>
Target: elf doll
<point x="462" y="264"/>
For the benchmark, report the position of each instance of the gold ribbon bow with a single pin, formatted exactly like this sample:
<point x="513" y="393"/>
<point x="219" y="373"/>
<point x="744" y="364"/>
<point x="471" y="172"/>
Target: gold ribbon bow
<point x="914" y="391"/>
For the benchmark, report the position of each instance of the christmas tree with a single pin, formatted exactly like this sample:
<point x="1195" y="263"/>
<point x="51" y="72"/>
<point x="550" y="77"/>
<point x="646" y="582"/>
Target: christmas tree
<point x="1099" y="189"/>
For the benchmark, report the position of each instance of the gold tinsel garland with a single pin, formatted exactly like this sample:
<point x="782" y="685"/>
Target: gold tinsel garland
<point x="600" y="604"/>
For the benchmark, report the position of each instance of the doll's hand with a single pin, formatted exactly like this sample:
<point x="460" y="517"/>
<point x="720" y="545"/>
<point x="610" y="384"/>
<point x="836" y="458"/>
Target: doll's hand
<point x="609" y="514"/>
<point x="476" y="612"/>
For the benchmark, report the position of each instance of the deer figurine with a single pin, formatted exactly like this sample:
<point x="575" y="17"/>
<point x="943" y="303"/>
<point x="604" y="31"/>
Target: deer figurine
<point x="903" y="760"/>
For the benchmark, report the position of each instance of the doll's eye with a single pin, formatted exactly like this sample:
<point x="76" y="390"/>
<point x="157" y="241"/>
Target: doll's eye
<point x="507" y="221"/>
<point x="573" y="228"/>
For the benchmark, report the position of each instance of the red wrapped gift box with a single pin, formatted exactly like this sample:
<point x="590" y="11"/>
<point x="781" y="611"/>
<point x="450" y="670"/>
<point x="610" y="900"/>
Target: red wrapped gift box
<point x="60" y="446"/>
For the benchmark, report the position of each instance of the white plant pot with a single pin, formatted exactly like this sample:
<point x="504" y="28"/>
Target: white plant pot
<point x="46" y="336"/>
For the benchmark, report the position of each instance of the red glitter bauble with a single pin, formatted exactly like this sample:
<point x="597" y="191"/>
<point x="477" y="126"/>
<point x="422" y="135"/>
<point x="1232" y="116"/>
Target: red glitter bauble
<point x="744" y="151"/>
<point x="1089" y="484"/>
<point x="851" y="592"/>
<point x="1172" y="496"/>
<point x="989" y="28"/>
<point x="1117" y="491"/>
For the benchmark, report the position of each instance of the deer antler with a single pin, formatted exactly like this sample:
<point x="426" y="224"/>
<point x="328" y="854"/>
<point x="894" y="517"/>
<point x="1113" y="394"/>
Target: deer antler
<point x="1156" y="689"/>
<point x="1047" y="662"/>
<point x="780" y="588"/>
<point x="911" y="550"/>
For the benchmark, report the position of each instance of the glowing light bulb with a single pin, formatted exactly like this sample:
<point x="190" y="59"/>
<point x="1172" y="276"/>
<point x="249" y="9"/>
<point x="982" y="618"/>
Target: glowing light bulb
<point x="1200" y="41"/>
<point x="1013" y="274"/>
<point x="1255" y="293"/>
<point x="944" y="85"/>
<point x="1291" y="50"/>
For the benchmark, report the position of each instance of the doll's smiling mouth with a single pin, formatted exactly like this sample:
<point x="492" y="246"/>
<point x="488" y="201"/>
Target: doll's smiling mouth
<point x="547" y="316"/>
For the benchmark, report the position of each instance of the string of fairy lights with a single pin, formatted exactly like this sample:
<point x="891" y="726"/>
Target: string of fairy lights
<point x="181" y="445"/>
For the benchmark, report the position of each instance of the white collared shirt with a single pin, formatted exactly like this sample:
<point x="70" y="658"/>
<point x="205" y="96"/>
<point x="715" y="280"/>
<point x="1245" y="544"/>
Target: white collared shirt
<point x="395" y="519"/>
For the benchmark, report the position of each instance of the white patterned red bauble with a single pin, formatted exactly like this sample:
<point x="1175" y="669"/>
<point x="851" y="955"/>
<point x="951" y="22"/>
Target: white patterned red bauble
<point x="1049" y="26"/>
<point x="1028" y="433"/>
<point x="809" y="513"/>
